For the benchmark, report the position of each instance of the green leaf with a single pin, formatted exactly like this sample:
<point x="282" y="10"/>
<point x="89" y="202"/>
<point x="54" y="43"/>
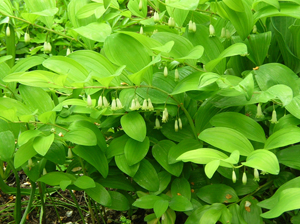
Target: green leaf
<point x="134" y="126"/>
<point x="189" y="83"/>
<point x="274" y="3"/>
<point x="160" y="153"/>
<point x="227" y="139"/>
<point x="181" y="186"/>
<point x="183" y="146"/>
<point x="36" y="98"/>
<point x="202" y="156"/>
<point x="282" y="92"/>
<point x="99" y="194"/>
<point x="273" y="201"/>
<point x="88" y="10"/>
<point x="93" y="154"/>
<point x="184" y="4"/>
<point x="164" y="180"/>
<point x="146" y="176"/>
<point x="6" y="7"/>
<point x="258" y="46"/>
<point x="263" y="160"/>
<point x="118" y="201"/>
<point x="41" y="144"/>
<point x="84" y="182"/>
<point x="235" y="5"/>
<point x="283" y="137"/>
<point x="133" y="6"/>
<point x="67" y="66"/>
<point x="27" y="63"/>
<point x="55" y="178"/>
<point x="95" y="31"/>
<point x="286" y="9"/>
<point x="81" y="136"/>
<point x="27" y="135"/>
<point x="160" y="207"/>
<point x="217" y="193"/>
<point x="195" y="53"/>
<point x="134" y="55"/>
<point x="288" y="200"/>
<point x="232" y="50"/>
<point x="294" y="107"/>
<point x="135" y="151"/>
<point x="24" y="153"/>
<point x="146" y="202"/>
<point x="123" y="165"/>
<point x="246" y="86"/>
<point x="7" y="145"/>
<point x="180" y="203"/>
<point x="251" y="214"/>
<point x="56" y="153"/>
<point x="167" y="47"/>
<point x="243" y="124"/>
<point x="289" y="157"/>
<point x="116" y="147"/>
<point x="211" y="168"/>
<point x="272" y="74"/>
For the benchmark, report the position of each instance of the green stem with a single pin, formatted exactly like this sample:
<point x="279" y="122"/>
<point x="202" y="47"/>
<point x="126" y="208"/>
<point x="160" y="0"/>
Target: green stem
<point x="78" y="207"/>
<point x="42" y="215"/>
<point x="33" y="187"/>
<point x="96" y="211"/>
<point x="17" y="211"/>
<point x="44" y="28"/>
<point x="57" y="214"/>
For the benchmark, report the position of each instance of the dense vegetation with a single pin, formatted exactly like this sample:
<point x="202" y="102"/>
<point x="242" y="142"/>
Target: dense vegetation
<point x="187" y="107"/>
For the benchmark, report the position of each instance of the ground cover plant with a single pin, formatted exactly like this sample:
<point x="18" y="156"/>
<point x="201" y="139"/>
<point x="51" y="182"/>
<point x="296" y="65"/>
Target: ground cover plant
<point x="188" y="109"/>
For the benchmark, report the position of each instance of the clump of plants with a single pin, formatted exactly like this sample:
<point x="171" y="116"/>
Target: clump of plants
<point x="187" y="108"/>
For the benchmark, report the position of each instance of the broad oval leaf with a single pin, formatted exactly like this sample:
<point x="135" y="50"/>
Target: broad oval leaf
<point x="84" y="182"/>
<point x="180" y="203"/>
<point x="134" y="126"/>
<point x="7" y="145"/>
<point x="123" y="165"/>
<point x="217" y="193"/>
<point x="41" y="144"/>
<point x="160" y="153"/>
<point x="160" y="207"/>
<point x="263" y="160"/>
<point x="237" y="121"/>
<point x="289" y="199"/>
<point x="95" y="156"/>
<point x="147" y="176"/>
<point x="135" y="151"/>
<point x="146" y="202"/>
<point x="118" y="201"/>
<point x="99" y="194"/>
<point x="81" y="136"/>
<point x="289" y="157"/>
<point x="227" y="139"/>
<point x="250" y="211"/>
<point x="95" y="31"/>
<point x="283" y="137"/>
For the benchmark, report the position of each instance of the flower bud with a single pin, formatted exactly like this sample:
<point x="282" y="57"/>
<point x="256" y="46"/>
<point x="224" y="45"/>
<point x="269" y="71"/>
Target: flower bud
<point x="171" y="22"/>
<point x="150" y="106"/>
<point x="137" y="104"/>
<point x="114" y="104"/>
<point x="53" y="130"/>
<point x="68" y="52"/>
<point x="223" y="32"/>
<point x="70" y="154"/>
<point x="60" y="134"/>
<point x="105" y="102"/>
<point x="47" y="47"/>
<point x="244" y="178"/>
<point x="8" y="31"/>
<point x="194" y="27"/>
<point x="190" y="26"/>
<point x="233" y="176"/>
<point x="141" y="30"/>
<point x="180" y="123"/>
<point x="27" y="38"/>
<point x="119" y="104"/>
<point x="212" y="31"/>
<point x="156" y="17"/>
<point x="100" y="102"/>
<point x="176" y="125"/>
<point x="145" y="106"/>
<point x="259" y="113"/>
<point x="176" y="75"/>
<point x="141" y="5"/>
<point x="157" y="124"/>
<point x="132" y="106"/>
<point x="274" y="117"/>
<point x="165" y="115"/>
<point x="89" y="101"/>
<point x="228" y="34"/>
<point x="256" y="175"/>
<point x="254" y="30"/>
<point x="165" y="71"/>
<point x="30" y="163"/>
